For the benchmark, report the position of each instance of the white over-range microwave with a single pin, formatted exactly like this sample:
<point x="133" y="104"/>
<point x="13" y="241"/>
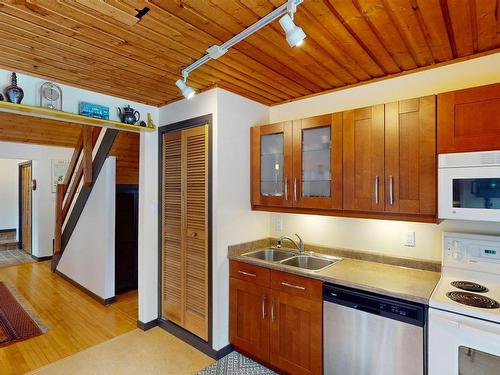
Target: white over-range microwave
<point x="469" y="186"/>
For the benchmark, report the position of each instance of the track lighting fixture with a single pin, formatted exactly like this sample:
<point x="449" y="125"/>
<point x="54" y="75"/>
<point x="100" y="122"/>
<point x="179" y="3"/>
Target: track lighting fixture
<point x="187" y="91"/>
<point x="294" y="36"/>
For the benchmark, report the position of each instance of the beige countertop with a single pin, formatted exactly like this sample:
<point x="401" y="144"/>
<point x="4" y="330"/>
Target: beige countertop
<point x="406" y="283"/>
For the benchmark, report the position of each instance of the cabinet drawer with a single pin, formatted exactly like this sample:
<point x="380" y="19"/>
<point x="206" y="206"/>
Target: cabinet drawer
<point x="296" y="285"/>
<point x="249" y="272"/>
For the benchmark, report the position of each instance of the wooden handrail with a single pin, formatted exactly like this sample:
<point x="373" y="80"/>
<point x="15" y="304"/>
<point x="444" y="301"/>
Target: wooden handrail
<point x="66" y="192"/>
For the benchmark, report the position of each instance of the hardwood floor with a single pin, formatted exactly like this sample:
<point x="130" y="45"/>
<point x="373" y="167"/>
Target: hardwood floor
<point x="75" y="320"/>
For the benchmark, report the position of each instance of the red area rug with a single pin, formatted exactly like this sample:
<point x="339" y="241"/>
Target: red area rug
<point x="16" y="324"/>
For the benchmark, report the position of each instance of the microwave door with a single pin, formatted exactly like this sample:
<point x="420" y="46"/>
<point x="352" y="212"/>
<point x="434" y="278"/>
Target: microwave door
<point x="471" y="193"/>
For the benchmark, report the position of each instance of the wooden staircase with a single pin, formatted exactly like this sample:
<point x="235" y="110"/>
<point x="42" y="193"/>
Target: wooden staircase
<point x="90" y="153"/>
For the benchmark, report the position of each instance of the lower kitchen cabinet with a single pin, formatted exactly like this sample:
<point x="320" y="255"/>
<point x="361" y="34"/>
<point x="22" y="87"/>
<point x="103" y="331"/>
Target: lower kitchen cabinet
<point x="249" y="323"/>
<point x="277" y="318"/>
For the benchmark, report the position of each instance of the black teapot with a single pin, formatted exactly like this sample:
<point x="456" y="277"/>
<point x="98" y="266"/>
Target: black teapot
<point x="129" y="116"/>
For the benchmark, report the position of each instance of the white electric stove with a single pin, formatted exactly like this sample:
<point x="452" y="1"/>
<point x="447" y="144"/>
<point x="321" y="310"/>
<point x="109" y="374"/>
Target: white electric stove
<point x="464" y="314"/>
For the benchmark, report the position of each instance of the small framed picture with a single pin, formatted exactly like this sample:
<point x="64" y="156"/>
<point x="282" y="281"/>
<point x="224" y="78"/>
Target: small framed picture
<point x="59" y="169"/>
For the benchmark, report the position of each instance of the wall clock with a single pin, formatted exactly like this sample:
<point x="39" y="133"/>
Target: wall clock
<point x="51" y="96"/>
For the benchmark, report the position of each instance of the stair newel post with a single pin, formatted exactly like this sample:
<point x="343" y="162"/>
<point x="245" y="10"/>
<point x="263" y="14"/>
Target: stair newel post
<point x="87" y="155"/>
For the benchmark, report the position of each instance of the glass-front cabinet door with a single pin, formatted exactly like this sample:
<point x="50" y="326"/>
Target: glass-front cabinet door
<point x="317" y="162"/>
<point x="271" y="164"/>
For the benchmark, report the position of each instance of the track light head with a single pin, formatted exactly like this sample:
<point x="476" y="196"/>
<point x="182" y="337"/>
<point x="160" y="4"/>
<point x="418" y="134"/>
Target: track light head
<point x="187" y="91"/>
<point x="294" y="34"/>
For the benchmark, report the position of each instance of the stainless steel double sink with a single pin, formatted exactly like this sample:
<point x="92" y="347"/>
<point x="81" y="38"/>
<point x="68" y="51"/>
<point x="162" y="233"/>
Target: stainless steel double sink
<point x="287" y="257"/>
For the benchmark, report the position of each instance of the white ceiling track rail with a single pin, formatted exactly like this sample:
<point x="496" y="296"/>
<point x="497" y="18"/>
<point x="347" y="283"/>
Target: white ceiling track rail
<point x="294" y="36"/>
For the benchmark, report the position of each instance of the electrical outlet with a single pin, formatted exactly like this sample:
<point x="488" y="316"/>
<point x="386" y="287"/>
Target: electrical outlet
<point x="410" y="239"/>
<point x="278" y="224"/>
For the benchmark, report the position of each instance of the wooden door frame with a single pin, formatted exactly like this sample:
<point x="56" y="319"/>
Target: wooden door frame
<point x="20" y="244"/>
<point x="198" y="343"/>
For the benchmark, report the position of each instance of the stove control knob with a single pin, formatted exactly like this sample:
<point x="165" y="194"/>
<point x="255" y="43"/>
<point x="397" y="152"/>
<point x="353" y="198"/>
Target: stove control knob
<point x="457" y="255"/>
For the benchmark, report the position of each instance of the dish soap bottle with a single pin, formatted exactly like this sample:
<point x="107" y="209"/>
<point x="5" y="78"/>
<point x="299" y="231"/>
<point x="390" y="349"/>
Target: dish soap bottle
<point x="14" y="93"/>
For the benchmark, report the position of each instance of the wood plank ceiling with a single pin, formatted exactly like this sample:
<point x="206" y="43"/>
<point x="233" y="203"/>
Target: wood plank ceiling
<point x="102" y="45"/>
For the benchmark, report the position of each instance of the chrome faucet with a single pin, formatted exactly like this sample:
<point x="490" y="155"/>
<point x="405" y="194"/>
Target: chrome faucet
<point x="299" y="247"/>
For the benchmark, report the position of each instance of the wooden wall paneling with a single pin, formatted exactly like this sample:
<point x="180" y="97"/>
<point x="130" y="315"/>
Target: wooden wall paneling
<point x="173" y="284"/>
<point x="457" y="110"/>
<point x="363" y="153"/>
<point x="195" y="186"/>
<point x="334" y="122"/>
<point x="126" y="150"/>
<point x="410" y="156"/>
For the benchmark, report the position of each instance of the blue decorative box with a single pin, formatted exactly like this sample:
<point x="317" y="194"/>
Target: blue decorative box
<point x="94" y="110"/>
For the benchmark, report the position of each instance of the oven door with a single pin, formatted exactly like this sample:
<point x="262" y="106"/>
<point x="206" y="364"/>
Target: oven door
<point x="471" y="193"/>
<point x="460" y="345"/>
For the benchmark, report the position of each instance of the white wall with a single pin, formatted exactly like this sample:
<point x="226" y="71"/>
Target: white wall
<point x="233" y="220"/>
<point x="89" y="257"/>
<point x="43" y="199"/>
<point x="9" y="193"/>
<point x="378" y="235"/>
<point x="72" y="96"/>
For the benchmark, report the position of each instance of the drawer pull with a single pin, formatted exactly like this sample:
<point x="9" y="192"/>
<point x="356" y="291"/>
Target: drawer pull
<point x="292" y="286"/>
<point x="272" y="309"/>
<point x="263" y="307"/>
<point x="247" y="273"/>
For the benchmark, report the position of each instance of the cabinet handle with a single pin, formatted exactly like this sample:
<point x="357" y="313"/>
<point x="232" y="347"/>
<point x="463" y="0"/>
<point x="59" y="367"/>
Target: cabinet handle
<point x="272" y="309"/>
<point x="286" y="189"/>
<point x="391" y="191"/>
<point x="376" y="190"/>
<point x="292" y="286"/>
<point x="247" y="273"/>
<point x="263" y="307"/>
<point x="295" y="188"/>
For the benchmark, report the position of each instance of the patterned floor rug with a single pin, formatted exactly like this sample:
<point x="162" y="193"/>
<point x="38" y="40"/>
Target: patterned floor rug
<point x="17" y="320"/>
<point x="12" y="257"/>
<point x="236" y="364"/>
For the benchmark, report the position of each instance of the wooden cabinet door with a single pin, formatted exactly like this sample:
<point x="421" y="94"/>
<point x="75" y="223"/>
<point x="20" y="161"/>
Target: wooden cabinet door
<point x="249" y="318"/>
<point x="317" y="162"/>
<point x="271" y="164"/>
<point x="363" y="170"/>
<point x="410" y="156"/>
<point x="296" y="333"/>
<point x="469" y="120"/>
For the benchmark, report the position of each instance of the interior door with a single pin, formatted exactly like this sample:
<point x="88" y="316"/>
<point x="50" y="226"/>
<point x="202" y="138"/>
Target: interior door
<point x="25" y="205"/>
<point x="271" y="169"/>
<point x="126" y="237"/>
<point x="317" y="162"/>
<point x="410" y="156"/>
<point x="363" y="141"/>
<point x="185" y="232"/>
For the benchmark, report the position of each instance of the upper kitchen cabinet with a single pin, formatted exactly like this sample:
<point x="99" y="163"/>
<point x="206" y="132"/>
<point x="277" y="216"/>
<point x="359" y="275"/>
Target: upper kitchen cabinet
<point x="364" y="159"/>
<point x="271" y="169"/>
<point x="317" y="162"/>
<point x="469" y="120"/>
<point x="410" y="156"/>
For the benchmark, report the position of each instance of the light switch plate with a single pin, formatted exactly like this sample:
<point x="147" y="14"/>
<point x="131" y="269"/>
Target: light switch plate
<point x="410" y="239"/>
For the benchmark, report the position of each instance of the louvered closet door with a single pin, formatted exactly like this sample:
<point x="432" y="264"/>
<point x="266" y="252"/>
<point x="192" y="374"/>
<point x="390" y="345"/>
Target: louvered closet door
<point x="185" y="229"/>
<point x="195" y="179"/>
<point x="172" y="254"/>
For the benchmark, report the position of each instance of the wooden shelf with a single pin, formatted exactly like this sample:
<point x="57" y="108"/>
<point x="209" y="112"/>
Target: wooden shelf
<point x="60" y="116"/>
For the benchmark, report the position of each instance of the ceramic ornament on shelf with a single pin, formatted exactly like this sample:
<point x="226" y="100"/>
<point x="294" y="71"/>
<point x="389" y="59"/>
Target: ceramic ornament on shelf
<point x="14" y="93"/>
<point x="51" y="96"/>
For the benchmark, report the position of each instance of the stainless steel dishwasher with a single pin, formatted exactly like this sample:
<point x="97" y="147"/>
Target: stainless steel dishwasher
<point x="370" y="334"/>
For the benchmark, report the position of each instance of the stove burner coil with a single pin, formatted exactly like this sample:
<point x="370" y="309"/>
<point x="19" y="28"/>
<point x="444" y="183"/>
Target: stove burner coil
<point x="475" y="300"/>
<point x="469" y="286"/>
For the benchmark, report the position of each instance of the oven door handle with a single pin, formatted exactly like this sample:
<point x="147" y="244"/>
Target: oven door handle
<point x="490" y="331"/>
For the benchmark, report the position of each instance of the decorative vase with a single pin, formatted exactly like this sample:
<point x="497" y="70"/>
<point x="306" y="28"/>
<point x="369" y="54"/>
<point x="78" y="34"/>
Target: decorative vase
<point x="14" y="93"/>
